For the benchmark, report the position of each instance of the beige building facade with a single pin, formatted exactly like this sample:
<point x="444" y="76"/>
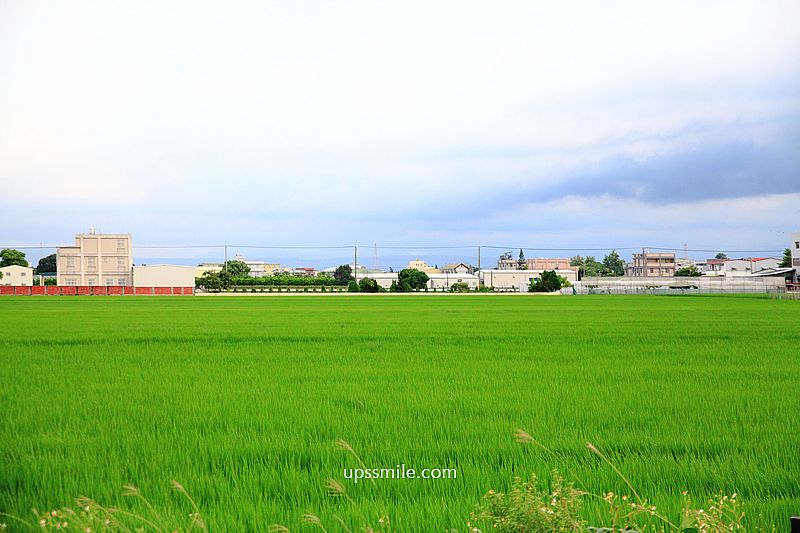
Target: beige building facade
<point x="163" y="276"/>
<point x="514" y="279"/>
<point x="96" y="259"/>
<point x="645" y="265"/>
<point x="17" y="276"/>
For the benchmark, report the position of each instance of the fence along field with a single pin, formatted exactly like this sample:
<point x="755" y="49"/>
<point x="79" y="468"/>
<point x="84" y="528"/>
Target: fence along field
<point x="243" y="399"/>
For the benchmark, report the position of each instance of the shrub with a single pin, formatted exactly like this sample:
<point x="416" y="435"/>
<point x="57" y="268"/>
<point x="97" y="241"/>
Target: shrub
<point x="459" y="287"/>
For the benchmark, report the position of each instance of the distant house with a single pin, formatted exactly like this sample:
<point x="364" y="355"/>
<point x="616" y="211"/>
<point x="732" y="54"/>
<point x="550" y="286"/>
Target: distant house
<point x="423" y="266"/>
<point x="457" y="268"/>
<point x="18" y="276"/>
<point x="652" y="264"/>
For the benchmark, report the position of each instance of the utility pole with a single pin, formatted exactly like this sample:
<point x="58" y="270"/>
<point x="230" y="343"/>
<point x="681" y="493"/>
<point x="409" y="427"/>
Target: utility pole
<point x="644" y="262"/>
<point x="225" y="264"/>
<point x="479" y="266"/>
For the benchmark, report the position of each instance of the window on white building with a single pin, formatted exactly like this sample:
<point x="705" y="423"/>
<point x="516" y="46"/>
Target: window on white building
<point x="122" y="282"/>
<point x="109" y="281"/>
<point x="91" y="282"/>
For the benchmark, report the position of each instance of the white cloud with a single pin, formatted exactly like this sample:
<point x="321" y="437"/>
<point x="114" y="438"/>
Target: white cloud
<point x="346" y="114"/>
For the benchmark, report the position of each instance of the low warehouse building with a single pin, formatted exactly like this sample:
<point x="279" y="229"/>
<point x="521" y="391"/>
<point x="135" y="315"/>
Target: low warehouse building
<point x="445" y="281"/>
<point x="16" y="275"/>
<point x="514" y="279"/>
<point x="163" y="276"/>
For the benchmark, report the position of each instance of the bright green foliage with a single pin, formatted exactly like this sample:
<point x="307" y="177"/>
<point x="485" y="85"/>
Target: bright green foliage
<point x="414" y="278"/>
<point x="459" y="286"/>
<point x="688" y="272"/>
<point x="241" y="399"/>
<point x="353" y="286"/>
<point x="368" y="285"/>
<point x="214" y="281"/>
<point x="9" y="257"/>
<point x="285" y="280"/>
<point x="236" y="268"/>
<point x="613" y="265"/>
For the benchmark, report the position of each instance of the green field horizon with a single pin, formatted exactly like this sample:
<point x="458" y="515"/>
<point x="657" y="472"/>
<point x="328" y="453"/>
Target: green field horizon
<point x="242" y="400"/>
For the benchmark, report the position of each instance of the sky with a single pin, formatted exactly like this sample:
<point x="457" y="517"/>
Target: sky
<point x="543" y="125"/>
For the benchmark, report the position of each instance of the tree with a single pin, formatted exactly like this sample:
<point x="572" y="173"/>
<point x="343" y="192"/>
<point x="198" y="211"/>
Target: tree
<point x="613" y="265"/>
<point x="588" y="266"/>
<point x="236" y="268"/>
<point x="353" y="286"/>
<point x="393" y="287"/>
<point x="721" y="255"/>
<point x="549" y="281"/>
<point x="459" y="287"/>
<point x="786" y="262"/>
<point x="414" y="278"/>
<point x="343" y="274"/>
<point x="214" y="281"/>
<point x="368" y="285"/>
<point x="687" y="272"/>
<point x="46" y="264"/>
<point x="9" y="257"/>
<point x="521" y="264"/>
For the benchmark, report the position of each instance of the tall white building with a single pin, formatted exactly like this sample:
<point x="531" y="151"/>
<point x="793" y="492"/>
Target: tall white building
<point x="795" y="247"/>
<point x="96" y="259"/>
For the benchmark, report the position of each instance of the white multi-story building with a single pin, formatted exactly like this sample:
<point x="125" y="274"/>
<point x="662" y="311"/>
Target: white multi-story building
<point x="795" y="248"/>
<point x="96" y="259"/>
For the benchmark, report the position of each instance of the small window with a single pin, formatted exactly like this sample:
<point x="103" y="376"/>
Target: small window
<point x="23" y="274"/>
<point x="122" y="282"/>
<point x="91" y="282"/>
<point x="797" y="244"/>
<point x="109" y="281"/>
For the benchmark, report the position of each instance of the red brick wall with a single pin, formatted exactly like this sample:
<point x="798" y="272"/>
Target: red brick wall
<point x="70" y="290"/>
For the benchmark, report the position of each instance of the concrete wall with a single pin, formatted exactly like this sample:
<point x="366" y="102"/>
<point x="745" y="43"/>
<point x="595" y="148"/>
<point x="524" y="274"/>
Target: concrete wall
<point x="163" y="276"/>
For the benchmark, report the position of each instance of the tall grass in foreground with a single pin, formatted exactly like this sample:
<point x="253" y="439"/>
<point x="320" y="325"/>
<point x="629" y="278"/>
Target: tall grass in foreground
<point x="242" y="397"/>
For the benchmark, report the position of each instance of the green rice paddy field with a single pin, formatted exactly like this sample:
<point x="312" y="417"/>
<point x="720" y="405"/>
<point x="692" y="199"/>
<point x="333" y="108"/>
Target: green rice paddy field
<point x="242" y="399"/>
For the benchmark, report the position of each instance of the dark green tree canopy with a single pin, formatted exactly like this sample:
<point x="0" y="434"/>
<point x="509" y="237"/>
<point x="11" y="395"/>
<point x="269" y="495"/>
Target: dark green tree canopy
<point x="521" y="263"/>
<point x="46" y="264"/>
<point x="549" y="281"/>
<point x="343" y="274"/>
<point x="368" y="285"/>
<point x="353" y="286"/>
<point x="414" y="278"/>
<point x="721" y="255"/>
<point x="613" y="265"/>
<point x="786" y="262"/>
<point x="9" y="257"/>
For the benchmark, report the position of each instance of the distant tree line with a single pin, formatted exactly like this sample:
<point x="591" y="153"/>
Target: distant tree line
<point x="612" y="265"/>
